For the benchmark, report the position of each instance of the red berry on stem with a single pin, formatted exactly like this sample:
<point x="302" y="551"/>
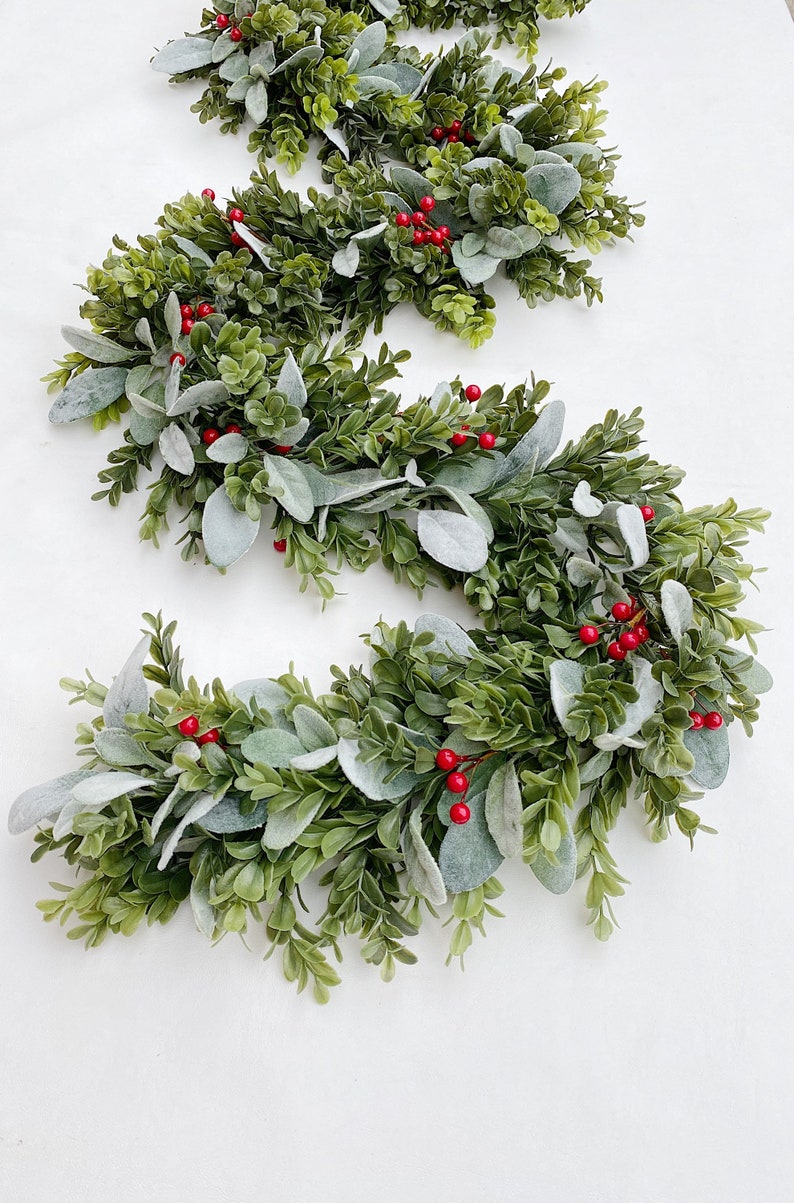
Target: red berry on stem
<point x="208" y="192"/>
<point x="453" y="138"/>
<point x="179" y="358"/>
<point x="417" y="218"/>
<point x="468" y="136"/>
<point x="419" y="238"/>
<point x="189" y="726"/>
<point x="642" y="633"/>
<point x="589" y="634"/>
<point x="223" y="21"/>
<point x="437" y="133"/>
<point x="210" y="436"/>
<point x="205" y="309"/>
<point x="186" y="310"/>
<point x="713" y="720"/>
<point x="459" y="439"/>
<point x="473" y="393"/>
<point x="444" y="231"/>
<point x="233" y="428"/>
<point x="427" y="204"/>
<point x="402" y="220"/>
<point x="457" y="783"/>
<point x="459" y="812"/>
<point x="648" y="513"/>
<point x="236" y="34"/>
<point x="629" y="641"/>
<point x="456" y="127"/>
<point x="236" y="215"/>
<point x="236" y="240"/>
<point x="616" y="652"/>
<point x="487" y="440"/>
<point x="697" y="720"/>
<point x="446" y="759"/>
<point x="437" y="238"/>
<point x="621" y="611"/>
<point x="210" y="737"/>
<point x="282" y="449"/>
<point x="187" y="325"/>
<point x="280" y="545"/>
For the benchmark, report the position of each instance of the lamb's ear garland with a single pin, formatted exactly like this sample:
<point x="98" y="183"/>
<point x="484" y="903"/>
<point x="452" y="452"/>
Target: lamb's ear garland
<point x="606" y="672"/>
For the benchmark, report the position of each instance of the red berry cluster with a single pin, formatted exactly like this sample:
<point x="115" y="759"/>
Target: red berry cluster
<point x="452" y="133"/>
<point x="222" y="22"/>
<point x="189" y="315"/>
<point x="211" y="434"/>
<point x="628" y="640"/>
<point x="712" y="721"/>
<point x="189" y="728"/>
<point x="457" y="782"/>
<point x="487" y="440"/>
<point x="424" y="233"/>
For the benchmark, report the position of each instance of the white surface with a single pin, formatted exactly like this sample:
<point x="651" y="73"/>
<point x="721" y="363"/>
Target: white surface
<point x="654" y="1069"/>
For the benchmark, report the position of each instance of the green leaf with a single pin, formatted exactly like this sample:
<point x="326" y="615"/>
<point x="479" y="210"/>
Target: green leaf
<point x="312" y="729"/>
<point x="95" y="346"/>
<point x="423" y="872"/>
<point x="504" y="810"/>
<point x="712" y="753"/>
<point x="186" y="54"/>
<point x="227" y="533"/>
<point x="203" y="911"/>
<point x="370" y="776"/>
<point x="677" y="608"/>
<point x="409" y="183"/>
<point x="475" y="269"/>
<point x="256" y="102"/>
<point x="288" y="486"/>
<point x="454" y="540"/>
<point x="89" y="393"/>
<point x="502" y="243"/>
<point x="272" y="746"/>
<point x="559" y="878"/>
<point x="43" y="801"/>
<point x="249" y="884"/>
<point x="469" y="855"/>
<point x="129" y="693"/>
<point x="554" y="185"/>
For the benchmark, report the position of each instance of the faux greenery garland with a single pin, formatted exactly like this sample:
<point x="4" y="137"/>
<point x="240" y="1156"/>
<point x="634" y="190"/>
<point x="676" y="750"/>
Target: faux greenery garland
<point x="606" y="673"/>
<point x="303" y="67"/>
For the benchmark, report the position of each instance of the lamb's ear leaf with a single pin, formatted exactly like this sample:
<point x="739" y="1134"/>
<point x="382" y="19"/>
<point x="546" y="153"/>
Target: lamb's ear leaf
<point x="87" y="394"/>
<point x="256" y="102"/>
<point x="539" y="443"/>
<point x="469" y="855"/>
<point x="185" y="54"/>
<point x="129" y="693"/>
<point x="555" y="185"/>
<point x="370" y="776"/>
<point x="289" y="486"/>
<point x="454" y="540"/>
<point x="559" y="878"/>
<point x="176" y="450"/>
<point x="272" y="746"/>
<point x="227" y="818"/>
<point x="369" y="44"/>
<point x="346" y="260"/>
<point x="203" y="804"/>
<point x="504" y="810"/>
<point x="712" y="753"/>
<point x="227" y="533"/>
<point x="677" y="608"/>
<point x="95" y="346"/>
<point x="43" y="801"/>
<point x="312" y="729"/>
<point x="420" y="864"/>
<point x="566" y="679"/>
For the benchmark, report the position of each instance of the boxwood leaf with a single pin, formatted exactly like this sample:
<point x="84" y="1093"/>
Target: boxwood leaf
<point x="423" y="872"/>
<point x="89" y="393"/>
<point x="227" y="533"/>
<point x="454" y="540"/>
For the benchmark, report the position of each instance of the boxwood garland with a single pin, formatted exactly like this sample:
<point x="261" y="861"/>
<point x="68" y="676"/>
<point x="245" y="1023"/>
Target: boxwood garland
<point x="296" y="69"/>
<point x="606" y="677"/>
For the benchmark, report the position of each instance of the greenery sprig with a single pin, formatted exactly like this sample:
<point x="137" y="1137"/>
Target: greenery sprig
<point x="606" y="674"/>
<point x="296" y="69"/>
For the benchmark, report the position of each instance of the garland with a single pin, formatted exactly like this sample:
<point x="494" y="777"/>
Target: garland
<point x="296" y="69"/>
<point x="606" y="673"/>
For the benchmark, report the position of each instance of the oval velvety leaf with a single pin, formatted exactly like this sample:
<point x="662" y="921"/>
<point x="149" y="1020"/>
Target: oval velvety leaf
<point x="202" y="908"/>
<point x="554" y="185"/>
<point x="584" y="502"/>
<point x="558" y="879"/>
<point x="95" y="346"/>
<point x="453" y="540"/>
<point x="101" y="788"/>
<point x="129" y="693"/>
<point x="227" y="533"/>
<point x="228" y="449"/>
<point x="631" y="525"/>
<point x="272" y="746"/>
<point x="176" y="450"/>
<point x="369" y="45"/>
<point x="290" y="382"/>
<point x="504" y="810"/>
<point x="448" y="636"/>
<point x="346" y="260"/>
<point x="256" y="102"/>
<point x="204" y="395"/>
<point x="420" y="864"/>
<point x="311" y="761"/>
<point x="284" y="827"/>
<point x="637" y="713"/>
<point x="712" y="753"/>
<point x="677" y="608"/>
<point x="301" y="58"/>
<point x="289" y="487"/>
<point x="268" y="695"/>
<point x="468" y="855"/>
<point x="475" y="269"/>
<point x="312" y="729"/>
<point x="203" y="804"/>
<point x="566" y="678"/>
<point x="186" y="54"/>
<point x="117" y="747"/>
<point x="226" y="818"/>
<point x="193" y="252"/>
<point x="539" y="443"/>
<point x="370" y="777"/>
<point x="43" y="801"/>
<point x="502" y="243"/>
<point x="87" y="394"/>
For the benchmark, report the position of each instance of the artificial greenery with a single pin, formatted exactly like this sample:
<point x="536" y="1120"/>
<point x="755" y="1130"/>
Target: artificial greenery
<point x="605" y="677"/>
<point x="296" y="69"/>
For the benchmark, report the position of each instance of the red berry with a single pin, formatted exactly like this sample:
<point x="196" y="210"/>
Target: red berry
<point x="459" y="439"/>
<point x="437" y="133"/>
<point x="186" y="310"/>
<point x="444" y="231"/>
<point x="236" y="34"/>
<point x="629" y="641"/>
<point x="210" y="737"/>
<point x="455" y="127"/>
<point x="187" y="325"/>
<point x="188" y="726"/>
<point x="459" y="812"/>
<point x="642" y="633"/>
<point x="697" y="720"/>
<point x="402" y="220"/>
<point x="210" y="436"/>
<point x="208" y="192"/>
<point x="419" y="238"/>
<point x="427" y="204"/>
<point x="616" y="652"/>
<point x="236" y="240"/>
<point x="233" y="428"/>
<point x="280" y="545"/>
<point x="437" y="238"/>
<point x="179" y="358"/>
<point x="457" y="783"/>
<point x="713" y="720"/>
<point x="648" y="513"/>
<point x="453" y="138"/>
<point x="621" y="611"/>
<point x="468" y="136"/>
<point x="222" y="21"/>
<point x="282" y="449"/>
<point x="446" y="759"/>
<point x="236" y="215"/>
<point x="417" y="218"/>
<point x="589" y="634"/>
<point x="473" y="393"/>
<point x="487" y="440"/>
<point x="205" y="309"/>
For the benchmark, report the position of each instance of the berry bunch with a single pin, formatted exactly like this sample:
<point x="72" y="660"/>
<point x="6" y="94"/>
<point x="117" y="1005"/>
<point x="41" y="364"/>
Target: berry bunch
<point x="224" y="22"/>
<point x="452" y="133"/>
<point x="189" y="728"/>
<point x="712" y="720"/>
<point x="487" y="440"/>
<point x="423" y="232"/>
<point x="627" y="641"/>
<point x="212" y="434"/>
<point x="190" y="315"/>
<point x="457" y="782"/>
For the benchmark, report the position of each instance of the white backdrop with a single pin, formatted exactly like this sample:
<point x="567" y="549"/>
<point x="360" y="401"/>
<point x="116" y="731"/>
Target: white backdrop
<point x="656" y="1068"/>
